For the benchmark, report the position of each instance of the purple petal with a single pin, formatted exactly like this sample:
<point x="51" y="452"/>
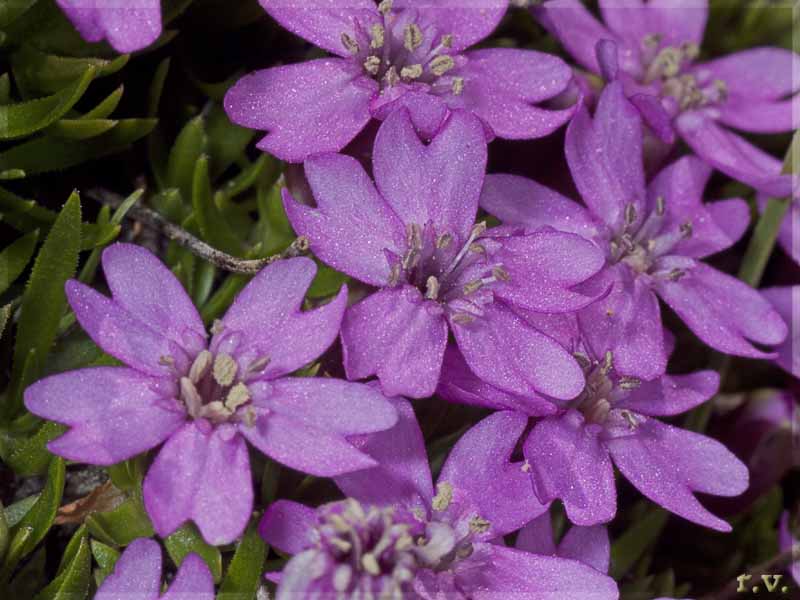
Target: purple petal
<point x="136" y="575"/>
<point x="483" y="476"/>
<point x="322" y="22"/>
<point x="784" y="300"/>
<point x="544" y="267"/>
<point x="402" y="476"/>
<point x="568" y="462"/>
<point x="459" y="384"/>
<point x="123" y="336"/>
<point x="761" y="117"/>
<point x="676" y="21"/>
<point x="516" y="200"/>
<point x="399" y="336"/>
<point x="352" y="225"/>
<point x="667" y="465"/>
<point x="340" y="406"/>
<point x="604" y="155"/>
<point x="575" y="27"/>
<point x="114" y="413"/>
<point x="267" y="315"/>
<point x="304" y="447"/>
<point x="756" y="73"/>
<point x="127" y="28"/>
<point x="439" y="182"/>
<point x="503" y="85"/>
<point x="537" y="536"/>
<point x="671" y="394"/>
<point x="498" y="572"/>
<point x="287" y="525"/>
<point x="733" y="155"/>
<point x="589" y="545"/>
<point x="307" y="108"/>
<point x="193" y="580"/>
<point x="715" y="227"/>
<point x="468" y="21"/>
<point x="654" y="115"/>
<point x="723" y="311"/>
<point x="628" y="323"/>
<point x="787" y="541"/>
<point x="427" y="111"/>
<point x="202" y="474"/>
<point x="142" y="285"/>
<point x="504" y="351"/>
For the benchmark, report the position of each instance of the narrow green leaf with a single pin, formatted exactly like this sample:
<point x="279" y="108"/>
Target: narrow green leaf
<point x="50" y="153"/>
<point x="12" y="174"/>
<point x="5" y="313"/>
<point x="15" y="512"/>
<point x="5" y="88"/>
<point x="15" y="257"/>
<point x="40" y="72"/>
<point x="17" y="120"/>
<point x="72" y="582"/>
<point x="213" y="226"/>
<point x="4" y="533"/>
<point x="190" y="145"/>
<point x="80" y="129"/>
<point x="11" y="11"/>
<point x="44" y="301"/>
<point x="28" y="578"/>
<point x="119" y="527"/>
<point x="246" y="570"/>
<point x="107" y="106"/>
<point x="16" y="551"/>
<point x="249" y="176"/>
<point x="27" y="454"/>
<point x="41" y="515"/>
<point x="327" y="282"/>
<point x="226" y="141"/>
<point x="106" y="557"/>
<point x="628" y="548"/>
<point x="187" y="540"/>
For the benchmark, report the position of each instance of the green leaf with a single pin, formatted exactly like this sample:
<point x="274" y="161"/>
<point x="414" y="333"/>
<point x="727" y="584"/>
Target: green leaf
<point x="44" y="301"/>
<point x="246" y="569"/>
<point x="38" y="71"/>
<point x="106" y="558"/>
<point x="226" y="141"/>
<point x="11" y="174"/>
<point x="15" y="257"/>
<point x="80" y="129"/>
<point x="327" y="282"/>
<point x="28" y="454"/>
<point x="213" y="226"/>
<point x="187" y="540"/>
<point x="119" y="527"/>
<point x="15" y="512"/>
<point x="29" y="578"/>
<point x="72" y="582"/>
<point x="50" y="153"/>
<point x="128" y="475"/>
<point x="11" y="10"/>
<point x="5" y="538"/>
<point x="17" y="120"/>
<point x="5" y="88"/>
<point x="190" y="145"/>
<point x="16" y="551"/>
<point x="628" y="548"/>
<point x="107" y="106"/>
<point x="5" y="313"/>
<point x="40" y="517"/>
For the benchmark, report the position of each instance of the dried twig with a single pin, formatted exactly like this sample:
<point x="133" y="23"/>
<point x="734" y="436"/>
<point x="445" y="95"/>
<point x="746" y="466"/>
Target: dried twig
<point x="196" y="246"/>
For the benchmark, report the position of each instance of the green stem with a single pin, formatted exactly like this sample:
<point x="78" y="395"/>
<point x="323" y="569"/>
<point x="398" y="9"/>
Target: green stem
<point x="760" y="248"/>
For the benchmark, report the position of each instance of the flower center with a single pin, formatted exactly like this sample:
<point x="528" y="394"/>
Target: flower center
<point x="398" y="50"/>
<point x="669" y="66"/>
<point x="371" y="551"/>
<point x="602" y="390"/>
<point x="458" y="278"/>
<point x="641" y="242"/>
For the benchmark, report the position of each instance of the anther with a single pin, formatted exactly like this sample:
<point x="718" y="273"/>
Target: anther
<point x="686" y="229"/>
<point x="385" y="7"/>
<point x="432" y="288"/>
<point x="411" y="72"/>
<point x="258" y="365"/>
<point x="476" y="249"/>
<point x="391" y="76"/>
<point x="441" y="64"/>
<point x="378" y="36"/>
<point x="225" y="368"/>
<point x="217" y="327"/>
<point x="191" y="398"/>
<point x="372" y="65"/>
<point x="412" y="37"/>
<point x="341" y="544"/>
<point x="462" y="318"/>
<point x="443" y="497"/>
<point x="472" y="287"/>
<point x="237" y="396"/>
<point x="443" y="241"/>
<point x="630" y="214"/>
<point x="660" y="206"/>
<point x="500" y="274"/>
<point x="200" y="366"/>
<point x="608" y="362"/>
<point x="350" y="44"/>
<point x="458" y="86"/>
<point x="479" y="525"/>
<point x="676" y="274"/>
<point x="370" y="564"/>
<point x="629" y="383"/>
<point x="447" y="40"/>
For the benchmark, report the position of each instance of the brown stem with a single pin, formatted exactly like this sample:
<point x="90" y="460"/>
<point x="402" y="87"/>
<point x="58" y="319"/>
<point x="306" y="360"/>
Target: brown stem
<point x="196" y="246"/>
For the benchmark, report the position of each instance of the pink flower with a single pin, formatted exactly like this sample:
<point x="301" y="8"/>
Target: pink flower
<point x="127" y="25"/>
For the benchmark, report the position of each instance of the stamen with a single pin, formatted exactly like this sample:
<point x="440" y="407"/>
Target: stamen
<point x="378" y="36"/>
<point x="385" y="7"/>
<point x="237" y="396"/>
<point x="217" y="327"/>
<point x="350" y="44"/>
<point x="441" y="64"/>
<point x="391" y="76"/>
<point x="166" y="361"/>
<point x="472" y="287"/>
<point x="443" y="241"/>
<point x="686" y="229"/>
<point x="676" y="274"/>
<point x="477" y="249"/>
<point x="225" y="369"/>
<point x="432" y="288"/>
<point x="458" y="86"/>
<point x="629" y="383"/>
<point x="628" y="416"/>
<point x="500" y="274"/>
<point x="608" y="362"/>
<point x="341" y="544"/>
<point x="342" y="577"/>
<point x="372" y="65"/>
<point x="412" y="37"/>
<point x="411" y="72"/>
<point x="462" y="318"/>
<point x="258" y="365"/>
<point x="191" y="398"/>
<point x="200" y="366"/>
<point x="690" y="50"/>
<point x="479" y="525"/>
<point x="443" y="497"/>
<point x="630" y="214"/>
<point x="447" y="40"/>
<point x="660" y="206"/>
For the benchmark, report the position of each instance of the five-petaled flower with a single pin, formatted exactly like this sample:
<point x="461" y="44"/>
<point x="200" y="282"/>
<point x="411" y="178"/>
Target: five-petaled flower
<point x="204" y="398"/>
<point x="414" y="237"/>
<point x="404" y="53"/>
<point x="658" y="44"/>
<point x="654" y="238"/>
<point x="395" y="537"/>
